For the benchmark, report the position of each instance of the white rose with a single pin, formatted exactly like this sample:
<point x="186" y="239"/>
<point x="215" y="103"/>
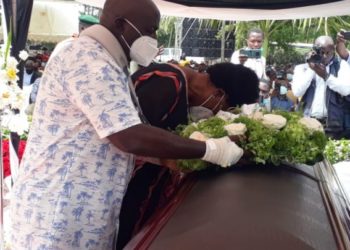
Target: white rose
<point x="12" y="62"/>
<point x="198" y="136"/>
<point x="274" y="121"/>
<point x="17" y="123"/>
<point x="258" y="116"/>
<point x="311" y="123"/>
<point x="236" y="129"/>
<point x="249" y="109"/>
<point x="23" y="55"/>
<point x="226" y="116"/>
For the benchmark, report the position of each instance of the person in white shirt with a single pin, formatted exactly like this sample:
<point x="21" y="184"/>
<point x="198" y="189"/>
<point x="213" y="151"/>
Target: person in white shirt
<point x="86" y="130"/>
<point x="324" y="87"/>
<point x="255" y="39"/>
<point x="29" y="77"/>
<point x="341" y="48"/>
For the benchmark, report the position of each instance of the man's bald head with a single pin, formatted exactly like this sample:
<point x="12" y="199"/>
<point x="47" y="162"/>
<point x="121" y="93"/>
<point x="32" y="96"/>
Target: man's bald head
<point x="326" y="44"/>
<point x="131" y="10"/>
<point x="324" y="41"/>
<point x="118" y="14"/>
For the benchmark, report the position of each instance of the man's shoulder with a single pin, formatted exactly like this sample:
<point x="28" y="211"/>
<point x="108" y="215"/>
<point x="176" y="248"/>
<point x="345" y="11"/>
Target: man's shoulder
<point x="37" y="74"/>
<point x="236" y="53"/>
<point x="235" y="57"/>
<point x="301" y="67"/>
<point x="344" y="63"/>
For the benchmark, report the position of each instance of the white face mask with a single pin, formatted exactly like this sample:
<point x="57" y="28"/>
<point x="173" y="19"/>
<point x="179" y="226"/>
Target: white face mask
<point x="290" y="77"/>
<point x="200" y="112"/>
<point x="144" y="49"/>
<point x="283" y="90"/>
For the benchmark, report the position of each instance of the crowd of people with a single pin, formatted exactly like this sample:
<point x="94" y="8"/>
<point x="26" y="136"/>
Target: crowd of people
<point x="319" y="87"/>
<point x="92" y="119"/>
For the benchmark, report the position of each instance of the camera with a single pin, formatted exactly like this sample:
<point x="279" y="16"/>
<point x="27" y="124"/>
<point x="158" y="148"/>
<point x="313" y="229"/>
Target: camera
<point x="281" y="75"/>
<point x="346" y="34"/>
<point x="317" y="56"/>
<point x="250" y="53"/>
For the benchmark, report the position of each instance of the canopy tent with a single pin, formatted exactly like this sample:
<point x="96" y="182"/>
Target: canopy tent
<point x="255" y="10"/>
<point x="53" y="21"/>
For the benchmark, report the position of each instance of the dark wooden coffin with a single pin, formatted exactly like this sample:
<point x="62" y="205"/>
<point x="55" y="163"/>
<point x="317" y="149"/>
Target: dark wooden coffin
<point x="294" y="207"/>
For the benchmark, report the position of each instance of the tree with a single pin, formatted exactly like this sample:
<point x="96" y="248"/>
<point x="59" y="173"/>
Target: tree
<point x="166" y="31"/>
<point x="278" y="33"/>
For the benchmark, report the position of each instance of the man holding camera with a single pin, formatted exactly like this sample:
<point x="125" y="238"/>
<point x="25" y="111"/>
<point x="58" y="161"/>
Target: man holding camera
<point x="323" y="83"/>
<point x="251" y="55"/>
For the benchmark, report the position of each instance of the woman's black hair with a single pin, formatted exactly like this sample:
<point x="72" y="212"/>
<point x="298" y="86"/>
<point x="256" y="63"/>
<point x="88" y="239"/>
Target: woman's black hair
<point x="240" y="83"/>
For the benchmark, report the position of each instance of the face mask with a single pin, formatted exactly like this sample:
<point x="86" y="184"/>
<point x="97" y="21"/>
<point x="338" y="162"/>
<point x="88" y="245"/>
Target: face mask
<point x="29" y="71"/>
<point x="144" y="49"/>
<point x="198" y="113"/>
<point x="266" y="102"/>
<point x="283" y="90"/>
<point x="290" y="77"/>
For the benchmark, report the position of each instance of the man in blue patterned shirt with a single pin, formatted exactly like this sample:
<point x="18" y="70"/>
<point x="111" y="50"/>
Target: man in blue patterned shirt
<point x="86" y="130"/>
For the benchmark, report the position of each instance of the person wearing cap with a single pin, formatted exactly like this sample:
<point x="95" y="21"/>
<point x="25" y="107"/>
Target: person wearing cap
<point x="86" y="21"/>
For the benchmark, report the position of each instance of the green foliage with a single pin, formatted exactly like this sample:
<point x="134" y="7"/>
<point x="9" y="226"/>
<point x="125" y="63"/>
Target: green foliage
<point x="192" y="164"/>
<point x="8" y="45"/>
<point x="261" y="139"/>
<point x="6" y="135"/>
<point x="294" y="143"/>
<point x="212" y="127"/>
<point x="166" y="31"/>
<point x="337" y="151"/>
<point x="280" y="56"/>
<point x="186" y="130"/>
<point x="297" y="144"/>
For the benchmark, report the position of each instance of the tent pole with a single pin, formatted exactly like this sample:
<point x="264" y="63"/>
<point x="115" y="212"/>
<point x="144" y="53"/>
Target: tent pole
<point x="223" y="41"/>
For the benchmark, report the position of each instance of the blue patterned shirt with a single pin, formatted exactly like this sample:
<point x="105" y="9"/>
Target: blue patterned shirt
<point x="72" y="179"/>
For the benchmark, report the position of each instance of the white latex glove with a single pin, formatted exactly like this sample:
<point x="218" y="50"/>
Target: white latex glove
<point x="222" y="151"/>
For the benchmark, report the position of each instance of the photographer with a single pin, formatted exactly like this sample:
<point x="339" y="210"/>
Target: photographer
<point x="323" y="83"/>
<point x="279" y="99"/>
<point x="341" y="48"/>
<point x="251" y="55"/>
<point x="264" y="94"/>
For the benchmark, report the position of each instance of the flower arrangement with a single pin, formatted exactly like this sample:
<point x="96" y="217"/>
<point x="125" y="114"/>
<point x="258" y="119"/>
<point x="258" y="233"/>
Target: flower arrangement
<point x="11" y="95"/>
<point x="267" y="138"/>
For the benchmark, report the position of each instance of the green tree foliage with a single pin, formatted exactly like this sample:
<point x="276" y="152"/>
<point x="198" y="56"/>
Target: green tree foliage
<point x="166" y="31"/>
<point x="278" y="33"/>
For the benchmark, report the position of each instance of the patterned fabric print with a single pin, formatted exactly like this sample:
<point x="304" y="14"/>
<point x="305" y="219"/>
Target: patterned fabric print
<point x="72" y="180"/>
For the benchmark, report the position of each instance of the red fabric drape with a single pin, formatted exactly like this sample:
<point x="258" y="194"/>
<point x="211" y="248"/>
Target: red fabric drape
<point x="6" y="155"/>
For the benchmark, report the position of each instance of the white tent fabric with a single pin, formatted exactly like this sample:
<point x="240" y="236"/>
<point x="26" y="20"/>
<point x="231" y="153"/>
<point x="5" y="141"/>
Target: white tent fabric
<point x="53" y="21"/>
<point x="171" y="9"/>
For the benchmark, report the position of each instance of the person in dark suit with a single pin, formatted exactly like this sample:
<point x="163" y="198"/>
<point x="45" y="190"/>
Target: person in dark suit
<point x="29" y="74"/>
